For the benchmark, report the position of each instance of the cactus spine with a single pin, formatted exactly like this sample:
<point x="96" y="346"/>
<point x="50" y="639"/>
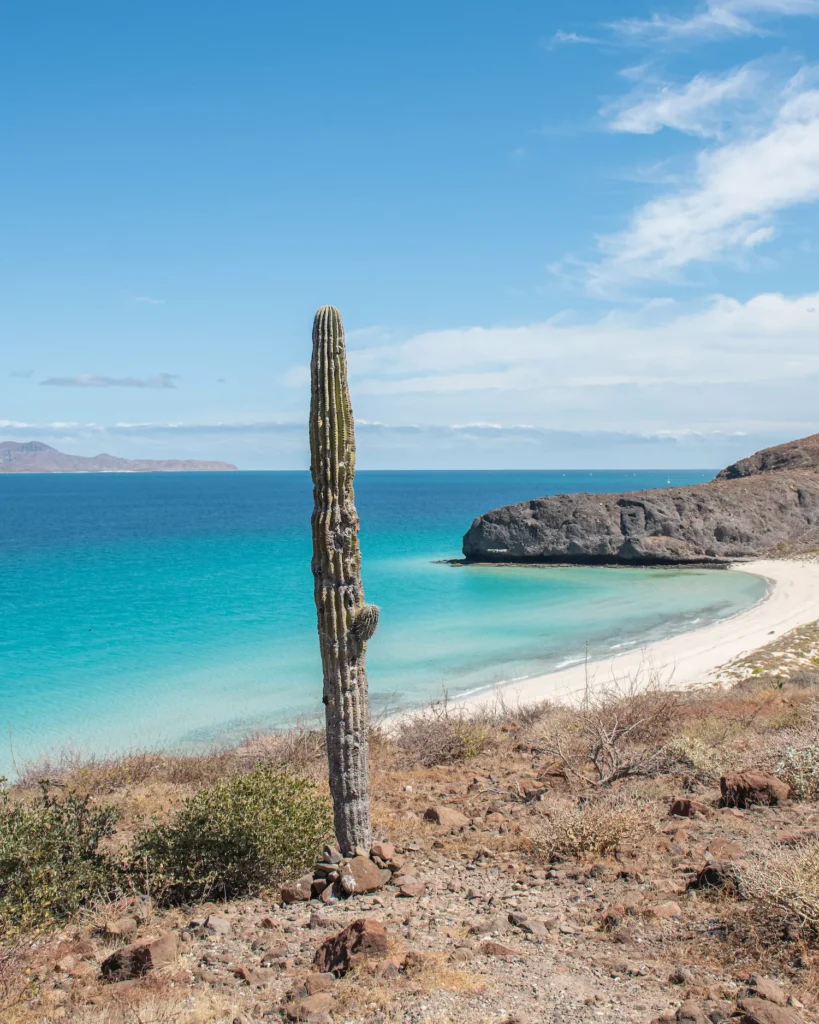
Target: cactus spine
<point x="345" y="622"/>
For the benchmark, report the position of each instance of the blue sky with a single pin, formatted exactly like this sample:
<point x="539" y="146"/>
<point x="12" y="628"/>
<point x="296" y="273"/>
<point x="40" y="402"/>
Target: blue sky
<point x="566" y="234"/>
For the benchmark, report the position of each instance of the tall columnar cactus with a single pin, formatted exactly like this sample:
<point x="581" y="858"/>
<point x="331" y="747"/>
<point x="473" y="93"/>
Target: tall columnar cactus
<point x="345" y="622"/>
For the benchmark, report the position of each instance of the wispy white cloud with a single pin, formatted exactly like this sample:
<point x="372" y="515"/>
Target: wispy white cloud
<point x="769" y="337"/>
<point x="93" y="380"/>
<point x="703" y="106"/>
<point x="24" y="374"/>
<point x="728" y="205"/>
<point x="718" y="18"/>
<point x="148" y="300"/>
<point x="561" y="38"/>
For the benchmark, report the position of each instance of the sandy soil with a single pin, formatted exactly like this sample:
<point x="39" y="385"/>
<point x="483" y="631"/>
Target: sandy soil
<point x="697" y="656"/>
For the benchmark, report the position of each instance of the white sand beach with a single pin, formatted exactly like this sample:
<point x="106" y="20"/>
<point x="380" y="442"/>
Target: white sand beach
<point x="697" y="656"/>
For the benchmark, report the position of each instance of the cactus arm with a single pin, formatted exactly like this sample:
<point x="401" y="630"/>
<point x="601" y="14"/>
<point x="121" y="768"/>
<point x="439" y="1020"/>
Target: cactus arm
<point x="345" y="622"/>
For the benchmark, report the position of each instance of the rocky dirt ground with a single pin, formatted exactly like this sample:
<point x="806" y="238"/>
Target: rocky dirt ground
<point x="534" y="877"/>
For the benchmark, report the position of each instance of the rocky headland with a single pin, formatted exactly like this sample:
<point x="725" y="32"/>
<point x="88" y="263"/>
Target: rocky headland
<point x="765" y="505"/>
<point x="36" y="457"/>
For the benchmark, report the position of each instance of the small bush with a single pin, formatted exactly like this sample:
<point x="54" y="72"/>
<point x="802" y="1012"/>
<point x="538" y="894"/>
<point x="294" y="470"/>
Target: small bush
<point x="243" y="835"/>
<point x="782" y="887"/>
<point x="804" y="677"/>
<point x="588" y="828"/>
<point x="440" y="735"/>
<point x="689" y="756"/>
<point x="799" y="767"/>
<point x="619" y="731"/>
<point x="51" y="863"/>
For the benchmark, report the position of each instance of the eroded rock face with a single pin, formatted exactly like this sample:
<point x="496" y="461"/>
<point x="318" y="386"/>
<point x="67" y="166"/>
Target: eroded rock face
<point x="753" y="508"/>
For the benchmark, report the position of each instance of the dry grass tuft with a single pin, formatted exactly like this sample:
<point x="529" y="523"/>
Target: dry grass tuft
<point x="441" y="734"/>
<point x="592" y="827"/>
<point x="781" y="886"/>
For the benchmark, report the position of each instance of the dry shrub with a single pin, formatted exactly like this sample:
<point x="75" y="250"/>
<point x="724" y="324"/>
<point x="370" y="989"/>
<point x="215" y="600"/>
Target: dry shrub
<point x="97" y="776"/>
<point x="804" y="677"/>
<point x="691" y="757"/>
<point x="596" y="827"/>
<point x="799" y="767"/>
<point x="619" y="731"/>
<point x="781" y="886"/>
<point x="440" y="734"/>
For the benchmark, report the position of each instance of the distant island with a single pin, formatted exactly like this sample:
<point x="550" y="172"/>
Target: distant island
<point x="35" y="457"/>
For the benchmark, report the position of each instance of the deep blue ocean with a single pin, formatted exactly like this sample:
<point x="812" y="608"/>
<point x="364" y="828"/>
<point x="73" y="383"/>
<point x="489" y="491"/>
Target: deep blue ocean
<point x="177" y="609"/>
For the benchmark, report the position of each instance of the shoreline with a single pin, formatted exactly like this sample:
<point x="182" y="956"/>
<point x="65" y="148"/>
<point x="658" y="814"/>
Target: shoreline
<point x="694" y="656"/>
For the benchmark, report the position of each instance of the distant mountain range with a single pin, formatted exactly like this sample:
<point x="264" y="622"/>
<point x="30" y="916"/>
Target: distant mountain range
<point x="35" y="457"/>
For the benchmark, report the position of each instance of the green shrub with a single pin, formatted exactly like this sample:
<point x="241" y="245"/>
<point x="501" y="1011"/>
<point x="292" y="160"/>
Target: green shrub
<point x="50" y="858"/>
<point x="242" y="835"/>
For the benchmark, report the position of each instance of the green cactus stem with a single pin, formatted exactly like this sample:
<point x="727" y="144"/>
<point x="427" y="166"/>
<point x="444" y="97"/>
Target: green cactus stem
<point x="345" y="621"/>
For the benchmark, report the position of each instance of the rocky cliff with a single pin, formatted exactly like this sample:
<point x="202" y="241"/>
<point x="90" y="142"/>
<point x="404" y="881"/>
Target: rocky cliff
<point x="36" y="457"/>
<point x="763" y="505"/>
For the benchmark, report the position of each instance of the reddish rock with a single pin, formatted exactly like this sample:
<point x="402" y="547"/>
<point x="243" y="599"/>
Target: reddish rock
<point x="692" y="1012"/>
<point x="412" y="889"/>
<point x="766" y="988"/>
<point x="299" y="891"/>
<point x="136" y="960"/>
<point x="490" y="948"/>
<point x="122" y="928"/>
<point x="363" y="939"/>
<point x="665" y="911"/>
<point x="304" y="1009"/>
<point x="760" y="1011"/>
<point x="319" y="983"/>
<point x="688" y="808"/>
<point x="361" y="875"/>
<point x="446" y="816"/>
<point x="724" y="849"/>
<point x="252" y="976"/>
<point x="386" y="851"/>
<point x="746" y="789"/>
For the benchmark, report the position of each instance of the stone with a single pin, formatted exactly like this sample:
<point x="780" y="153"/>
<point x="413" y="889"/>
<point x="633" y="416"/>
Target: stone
<point x="746" y="789"/>
<point x="251" y="976"/>
<point x="412" y="890"/>
<point x="689" y="808"/>
<point x="122" y="928"/>
<point x="534" y="926"/>
<point x="490" y="948"/>
<point x="386" y="851"/>
<point x="446" y="816"/>
<point x="298" y="891"/>
<point x="766" y="988"/>
<point x="718" y="875"/>
<point x="724" y="849"/>
<point x="665" y="911"/>
<point x="361" y="875"/>
<point x="404" y="879"/>
<point x="692" y="1012"/>
<point x="318" y="920"/>
<point x="138" y="959"/>
<point x="317" y="887"/>
<point x="753" y="506"/>
<point x="760" y="1011"/>
<point x="363" y="939"/>
<point x="218" y="924"/>
<point x="305" y="1009"/>
<point x="274" y="956"/>
<point x="487" y="925"/>
<point x="319" y="983"/>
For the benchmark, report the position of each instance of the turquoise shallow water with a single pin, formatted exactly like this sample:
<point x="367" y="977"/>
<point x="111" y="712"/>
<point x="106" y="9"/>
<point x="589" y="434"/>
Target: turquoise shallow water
<point x="176" y="609"/>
